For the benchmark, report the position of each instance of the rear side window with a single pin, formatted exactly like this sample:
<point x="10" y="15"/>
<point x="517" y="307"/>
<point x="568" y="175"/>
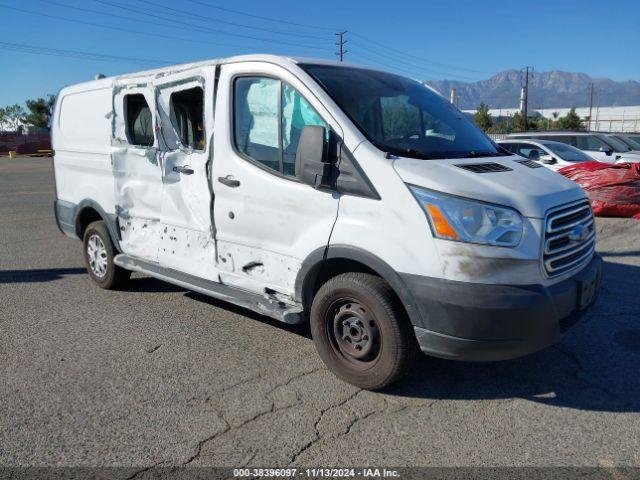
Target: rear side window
<point x="269" y="116"/>
<point x="589" y="142"/>
<point x="187" y="116"/>
<point x="139" y="120"/>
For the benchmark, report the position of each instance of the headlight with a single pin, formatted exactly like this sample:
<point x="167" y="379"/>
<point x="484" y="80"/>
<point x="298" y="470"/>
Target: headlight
<point x="455" y="218"/>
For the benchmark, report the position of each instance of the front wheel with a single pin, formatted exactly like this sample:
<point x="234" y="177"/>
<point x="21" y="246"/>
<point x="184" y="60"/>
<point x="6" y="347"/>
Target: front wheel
<point x="361" y="331"/>
<point x="98" y="255"/>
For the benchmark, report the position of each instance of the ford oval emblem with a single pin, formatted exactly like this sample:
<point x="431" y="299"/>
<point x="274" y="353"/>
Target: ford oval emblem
<point x="578" y="233"/>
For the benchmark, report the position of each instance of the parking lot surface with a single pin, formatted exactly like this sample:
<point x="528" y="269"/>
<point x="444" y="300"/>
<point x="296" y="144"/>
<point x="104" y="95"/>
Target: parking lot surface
<point x="157" y="375"/>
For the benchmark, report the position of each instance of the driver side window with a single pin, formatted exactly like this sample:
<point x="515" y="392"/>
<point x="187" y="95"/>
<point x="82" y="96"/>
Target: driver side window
<point x="269" y="116"/>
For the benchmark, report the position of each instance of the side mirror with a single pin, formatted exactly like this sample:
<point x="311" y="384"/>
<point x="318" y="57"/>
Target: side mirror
<point x="312" y="165"/>
<point x="548" y="160"/>
<point x="607" y="150"/>
<point x="534" y="155"/>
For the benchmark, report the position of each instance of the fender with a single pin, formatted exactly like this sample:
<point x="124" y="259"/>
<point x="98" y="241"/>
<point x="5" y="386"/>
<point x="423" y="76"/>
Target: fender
<point x="311" y="265"/>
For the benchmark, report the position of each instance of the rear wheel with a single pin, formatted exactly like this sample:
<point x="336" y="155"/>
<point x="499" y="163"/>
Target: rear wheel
<point x="361" y="331"/>
<point x="98" y="255"/>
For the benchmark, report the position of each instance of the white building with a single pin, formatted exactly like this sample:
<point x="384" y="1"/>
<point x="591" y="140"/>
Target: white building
<point x="604" y="119"/>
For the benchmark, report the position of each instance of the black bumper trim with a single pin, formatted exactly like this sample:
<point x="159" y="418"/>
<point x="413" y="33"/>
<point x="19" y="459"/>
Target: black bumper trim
<point x="480" y="322"/>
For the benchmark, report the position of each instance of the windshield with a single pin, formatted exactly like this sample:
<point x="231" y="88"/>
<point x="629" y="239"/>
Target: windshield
<point x="567" y="152"/>
<point x="402" y="116"/>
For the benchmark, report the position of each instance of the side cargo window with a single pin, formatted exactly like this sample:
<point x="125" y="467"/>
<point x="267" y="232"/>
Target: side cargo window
<point x="139" y="121"/>
<point x="269" y="116"/>
<point x="187" y="116"/>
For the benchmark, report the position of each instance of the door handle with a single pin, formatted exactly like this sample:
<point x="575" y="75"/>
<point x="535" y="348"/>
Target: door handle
<point x="184" y="169"/>
<point x="229" y="181"/>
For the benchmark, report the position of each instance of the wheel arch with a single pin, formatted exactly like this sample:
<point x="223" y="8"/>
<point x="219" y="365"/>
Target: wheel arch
<point x="88" y="211"/>
<point x="325" y="263"/>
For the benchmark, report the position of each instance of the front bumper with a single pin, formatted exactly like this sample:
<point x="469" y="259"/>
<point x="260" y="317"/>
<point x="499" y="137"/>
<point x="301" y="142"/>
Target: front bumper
<point x="480" y="322"/>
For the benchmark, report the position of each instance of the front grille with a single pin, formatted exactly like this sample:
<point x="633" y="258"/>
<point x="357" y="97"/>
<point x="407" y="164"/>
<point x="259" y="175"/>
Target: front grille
<point x="569" y="239"/>
<point x="485" y="167"/>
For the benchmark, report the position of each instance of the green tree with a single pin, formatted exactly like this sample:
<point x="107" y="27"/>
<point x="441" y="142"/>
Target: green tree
<point x="518" y="123"/>
<point x="15" y="116"/>
<point x="40" y="111"/>
<point x="3" y="118"/>
<point x="571" y="121"/>
<point x="482" y="117"/>
<point x="501" y="126"/>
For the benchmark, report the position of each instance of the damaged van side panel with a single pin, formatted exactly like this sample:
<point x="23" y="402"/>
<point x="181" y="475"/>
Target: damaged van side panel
<point x="185" y="105"/>
<point x="136" y="170"/>
<point x="267" y="222"/>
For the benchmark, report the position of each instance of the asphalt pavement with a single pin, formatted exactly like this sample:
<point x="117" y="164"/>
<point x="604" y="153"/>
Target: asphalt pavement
<point x="158" y="375"/>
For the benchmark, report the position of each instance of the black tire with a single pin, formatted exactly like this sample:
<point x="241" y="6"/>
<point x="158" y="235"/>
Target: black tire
<point x="350" y="307"/>
<point x="109" y="276"/>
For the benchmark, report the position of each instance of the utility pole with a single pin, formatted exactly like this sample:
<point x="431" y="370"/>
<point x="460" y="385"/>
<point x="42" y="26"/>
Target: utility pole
<point x="453" y="97"/>
<point x="341" y="43"/>
<point x="590" y="106"/>
<point x="525" y="109"/>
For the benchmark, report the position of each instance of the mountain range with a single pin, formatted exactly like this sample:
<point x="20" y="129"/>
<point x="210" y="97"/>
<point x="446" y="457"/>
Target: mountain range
<point x="555" y="89"/>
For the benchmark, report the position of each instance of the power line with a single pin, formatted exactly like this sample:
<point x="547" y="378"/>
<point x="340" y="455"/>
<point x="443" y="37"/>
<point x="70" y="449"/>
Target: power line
<point x="269" y="19"/>
<point x="120" y="29"/>
<point x="377" y="63"/>
<point x="206" y="29"/>
<point x="414" y="65"/>
<point x="201" y="17"/>
<point x="23" y="48"/>
<point x="400" y="52"/>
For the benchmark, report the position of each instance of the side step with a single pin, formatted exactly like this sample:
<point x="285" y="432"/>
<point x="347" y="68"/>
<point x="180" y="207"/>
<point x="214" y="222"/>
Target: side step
<point x="264" y="305"/>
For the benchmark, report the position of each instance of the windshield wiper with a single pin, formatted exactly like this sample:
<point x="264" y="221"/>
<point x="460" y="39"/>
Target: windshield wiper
<point x="403" y="152"/>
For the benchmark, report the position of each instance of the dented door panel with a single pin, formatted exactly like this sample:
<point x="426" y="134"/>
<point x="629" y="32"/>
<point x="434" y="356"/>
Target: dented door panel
<point x="137" y="178"/>
<point x="186" y="242"/>
<point x="267" y="223"/>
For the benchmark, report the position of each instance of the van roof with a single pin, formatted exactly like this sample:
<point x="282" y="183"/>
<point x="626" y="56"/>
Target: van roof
<point x="170" y="69"/>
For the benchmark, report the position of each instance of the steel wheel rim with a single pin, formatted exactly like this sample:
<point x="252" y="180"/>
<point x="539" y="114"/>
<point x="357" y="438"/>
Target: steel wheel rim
<point x="97" y="256"/>
<point x="354" y="332"/>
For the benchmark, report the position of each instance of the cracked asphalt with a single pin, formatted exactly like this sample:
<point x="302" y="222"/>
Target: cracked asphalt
<point x="157" y="375"/>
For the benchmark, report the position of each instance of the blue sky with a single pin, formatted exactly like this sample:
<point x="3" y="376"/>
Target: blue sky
<point x="455" y="39"/>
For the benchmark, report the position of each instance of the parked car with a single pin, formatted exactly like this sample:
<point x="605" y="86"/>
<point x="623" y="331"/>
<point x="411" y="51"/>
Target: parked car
<point x="358" y="200"/>
<point x="621" y="145"/>
<point x="553" y="155"/>
<point x="628" y="140"/>
<point x="633" y="136"/>
<point x="599" y="146"/>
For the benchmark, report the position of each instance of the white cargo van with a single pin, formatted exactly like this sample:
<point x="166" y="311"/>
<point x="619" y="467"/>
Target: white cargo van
<point x="355" y="199"/>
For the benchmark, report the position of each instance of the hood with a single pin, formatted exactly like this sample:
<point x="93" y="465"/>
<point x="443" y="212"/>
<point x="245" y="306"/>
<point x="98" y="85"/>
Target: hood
<point x="531" y="191"/>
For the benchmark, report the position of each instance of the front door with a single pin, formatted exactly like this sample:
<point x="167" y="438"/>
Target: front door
<point x="185" y="109"/>
<point x="266" y="221"/>
<point x="136" y="169"/>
